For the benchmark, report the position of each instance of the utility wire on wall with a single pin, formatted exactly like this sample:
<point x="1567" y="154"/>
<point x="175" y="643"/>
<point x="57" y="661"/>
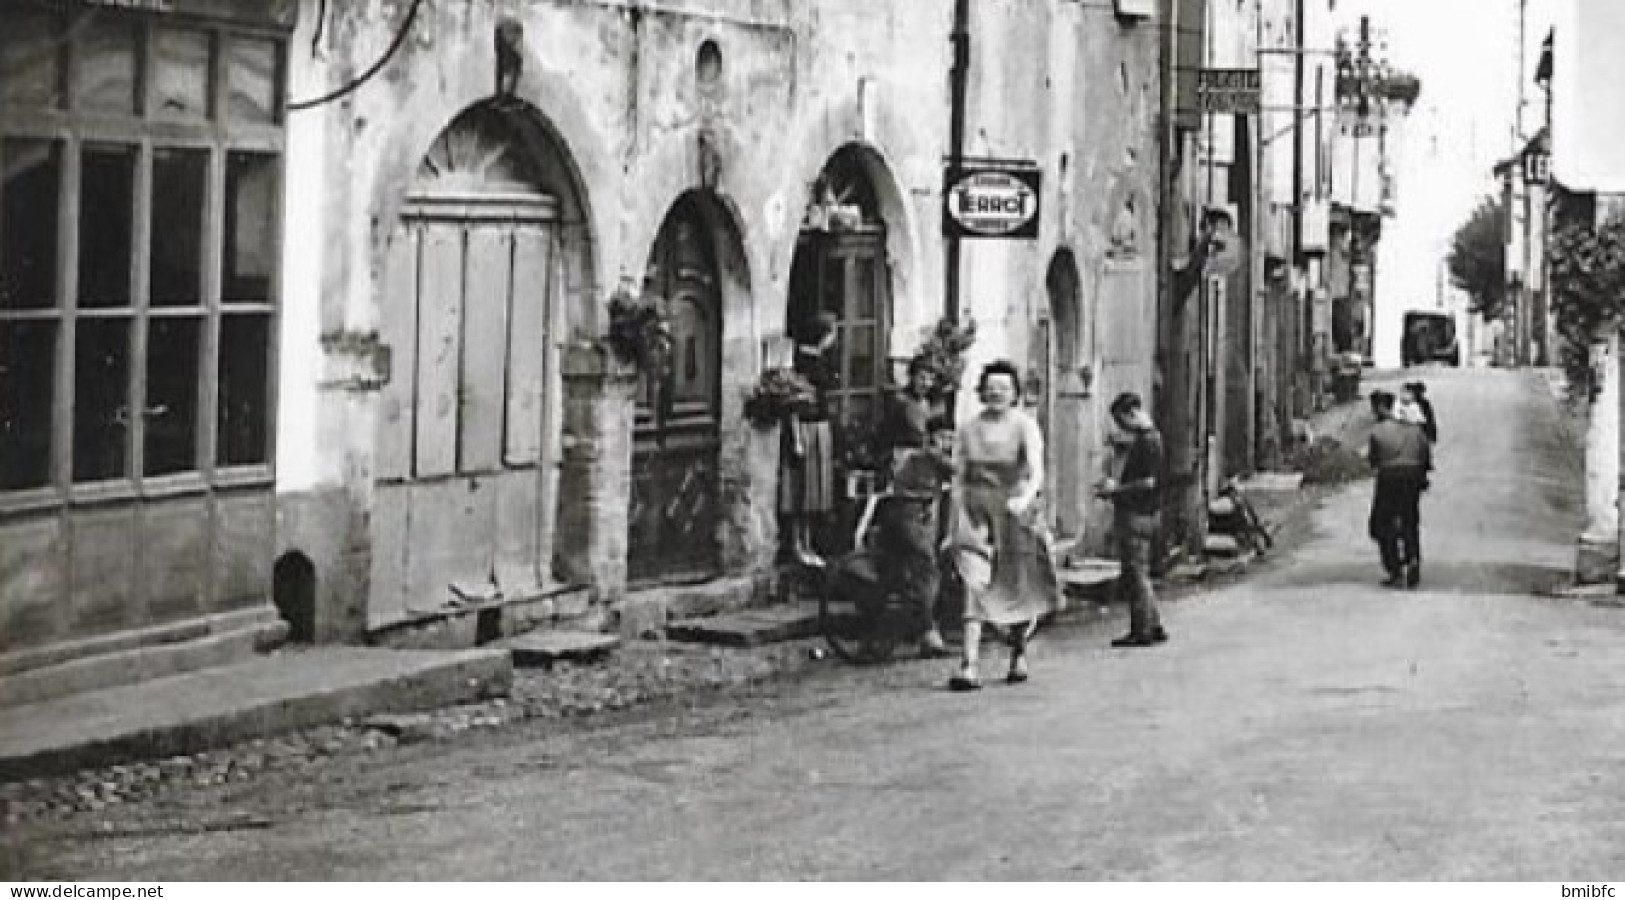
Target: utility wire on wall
<point x="354" y="84"/>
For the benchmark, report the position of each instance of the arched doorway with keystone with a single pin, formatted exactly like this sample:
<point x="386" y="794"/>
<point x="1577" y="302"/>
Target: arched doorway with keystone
<point x="674" y="510"/>
<point x="841" y="268"/>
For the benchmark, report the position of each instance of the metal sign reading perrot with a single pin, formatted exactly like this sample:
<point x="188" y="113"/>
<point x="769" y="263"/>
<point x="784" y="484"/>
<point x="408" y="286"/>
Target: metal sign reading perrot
<point x="1228" y="91"/>
<point x="991" y="201"/>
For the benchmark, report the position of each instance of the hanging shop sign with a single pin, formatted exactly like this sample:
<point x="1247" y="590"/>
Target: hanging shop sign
<point x="1228" y="91"/>
<point x="991" y="201"/>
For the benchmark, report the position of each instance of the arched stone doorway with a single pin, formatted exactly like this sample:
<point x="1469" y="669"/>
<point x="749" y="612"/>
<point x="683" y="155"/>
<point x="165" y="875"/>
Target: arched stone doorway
<point x="473" y="293"/>
<point x="841" y="267"/>
<point x="674" y="507"/>
<point x="1062" y="404"/>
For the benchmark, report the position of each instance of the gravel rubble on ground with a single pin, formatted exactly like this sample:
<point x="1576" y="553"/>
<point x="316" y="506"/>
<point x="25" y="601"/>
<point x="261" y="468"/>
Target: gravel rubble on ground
<point x="640" y="672"/>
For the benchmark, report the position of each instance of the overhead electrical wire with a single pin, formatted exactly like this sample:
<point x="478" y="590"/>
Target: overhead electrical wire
<point x="354" y="84"/>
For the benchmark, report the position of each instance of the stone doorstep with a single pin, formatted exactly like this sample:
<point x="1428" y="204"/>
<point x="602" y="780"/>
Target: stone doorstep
<point x="1088" y="578"/>
<point x="648" y="610"/>
<point x="226" y="639"/>
<point x="1605" y="591"/>
<point x="1272" y="483"/>
<point x="541" y="649"/>
<point x="227" y="705"/>
<point x="458" y="627"/>
<point x="1186" y="573"/>
<point x="750" y="627"/>
<point x="1232" y="565"/>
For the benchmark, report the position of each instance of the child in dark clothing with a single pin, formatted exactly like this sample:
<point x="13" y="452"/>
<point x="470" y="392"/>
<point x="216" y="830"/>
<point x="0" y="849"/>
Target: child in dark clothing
<point x="907" y="523"/>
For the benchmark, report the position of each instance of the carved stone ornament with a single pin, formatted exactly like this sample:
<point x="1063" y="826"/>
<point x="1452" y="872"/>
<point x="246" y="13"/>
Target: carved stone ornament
<point x="510" y="53"/>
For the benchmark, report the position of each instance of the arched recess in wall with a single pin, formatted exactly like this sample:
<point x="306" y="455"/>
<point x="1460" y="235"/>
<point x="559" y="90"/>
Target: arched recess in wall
<point x="1067" y="381"/>
<point x="842" y="267"/>
<point x="697" y="274"/>
<point x="486" y="257"/>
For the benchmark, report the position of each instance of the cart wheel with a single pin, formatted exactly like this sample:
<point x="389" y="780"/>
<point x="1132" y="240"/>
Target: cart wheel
<point x="841" y="624"/>
<point x="856" y="630"/>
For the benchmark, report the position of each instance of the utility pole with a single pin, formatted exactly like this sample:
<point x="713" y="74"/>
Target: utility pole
<point x="1518" y="212"/>
<point x="1297" y="133"/>
<point x="958" y="75"/>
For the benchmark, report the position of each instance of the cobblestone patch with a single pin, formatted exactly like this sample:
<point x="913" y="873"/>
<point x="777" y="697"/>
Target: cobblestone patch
<point x="641" y="672"/>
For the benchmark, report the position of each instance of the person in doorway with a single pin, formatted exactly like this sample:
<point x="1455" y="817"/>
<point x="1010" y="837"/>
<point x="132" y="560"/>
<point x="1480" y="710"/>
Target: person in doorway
<point x="1215" y="238"/>
<point x="907" y="523"/>
<point x="807" y="488"/>
<point x="996" y="542"/>
<point x="1401" y="455"/>
<point x="1136" y="496"/>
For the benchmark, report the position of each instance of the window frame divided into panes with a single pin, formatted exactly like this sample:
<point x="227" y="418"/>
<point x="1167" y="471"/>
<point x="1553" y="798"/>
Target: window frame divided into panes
<point x="218" y="138"/>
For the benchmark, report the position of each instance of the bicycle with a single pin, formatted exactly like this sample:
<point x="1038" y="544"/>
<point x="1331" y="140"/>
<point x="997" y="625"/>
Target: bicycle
<point x="1249" y="529"/>
<point x="860" y="618"/>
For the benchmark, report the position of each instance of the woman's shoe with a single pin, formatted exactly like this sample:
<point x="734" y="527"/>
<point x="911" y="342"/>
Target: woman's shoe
<point x="964" y="682"/>
<point x="1018" y="671"/>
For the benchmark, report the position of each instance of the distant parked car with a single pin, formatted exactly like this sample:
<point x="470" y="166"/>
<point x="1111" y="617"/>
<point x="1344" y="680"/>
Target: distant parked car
<point x="1429" y="337"/>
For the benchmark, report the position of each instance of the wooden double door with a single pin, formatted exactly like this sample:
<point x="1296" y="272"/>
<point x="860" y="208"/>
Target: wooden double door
<point x="464" y="474"/>
<point x="673" y="512"/>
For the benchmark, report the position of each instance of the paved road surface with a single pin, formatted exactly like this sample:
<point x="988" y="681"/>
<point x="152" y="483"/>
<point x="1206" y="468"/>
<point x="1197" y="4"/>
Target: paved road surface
<point x="1308" y="725"/>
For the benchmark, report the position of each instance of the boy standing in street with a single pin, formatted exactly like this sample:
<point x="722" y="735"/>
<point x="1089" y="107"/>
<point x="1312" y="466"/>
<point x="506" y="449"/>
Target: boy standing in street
<point x="1136" y="496"/>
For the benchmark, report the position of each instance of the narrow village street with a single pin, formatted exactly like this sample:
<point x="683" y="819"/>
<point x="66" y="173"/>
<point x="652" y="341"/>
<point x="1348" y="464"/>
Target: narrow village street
<point x="1304" y="724"/>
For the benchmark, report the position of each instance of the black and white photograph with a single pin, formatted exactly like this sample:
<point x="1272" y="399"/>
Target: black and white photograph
<point x="1147" y="441"/>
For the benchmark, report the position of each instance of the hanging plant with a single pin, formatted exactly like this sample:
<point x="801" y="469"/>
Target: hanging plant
<point x="943" y="355"/>
<point x="779" y="393"/>
<point x="640" y="333"/>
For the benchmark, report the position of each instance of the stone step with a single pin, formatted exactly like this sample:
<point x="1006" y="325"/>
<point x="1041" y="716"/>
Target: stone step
<point x="209" y="642"/>
<point x="1186" y="573"/>
<point x="749" y="627"/>
<point x="544" y="648"/>
<point x="1272" y="483"/>
<point x="1088" y="577"/>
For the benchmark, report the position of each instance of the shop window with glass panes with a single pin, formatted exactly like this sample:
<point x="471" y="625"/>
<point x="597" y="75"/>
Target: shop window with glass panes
<point x="140" y="185"/>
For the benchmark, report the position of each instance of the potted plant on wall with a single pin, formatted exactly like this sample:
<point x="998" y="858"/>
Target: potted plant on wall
<point x="780" y="393"/>
<point x="640" y="335"/>
<point x="943" y="355"/>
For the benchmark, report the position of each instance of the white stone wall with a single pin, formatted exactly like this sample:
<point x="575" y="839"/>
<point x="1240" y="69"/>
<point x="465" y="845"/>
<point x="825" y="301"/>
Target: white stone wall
<point x="1066" y="85"/>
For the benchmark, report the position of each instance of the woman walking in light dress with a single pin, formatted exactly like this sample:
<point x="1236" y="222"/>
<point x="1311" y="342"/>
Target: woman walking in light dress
<point x="996" y="540"/>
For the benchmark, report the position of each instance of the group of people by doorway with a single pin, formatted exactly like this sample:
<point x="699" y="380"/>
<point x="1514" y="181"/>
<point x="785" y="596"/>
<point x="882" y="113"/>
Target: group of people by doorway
<point x="966" y="502"/>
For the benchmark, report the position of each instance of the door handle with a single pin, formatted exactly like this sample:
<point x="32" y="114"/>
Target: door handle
<point x="121" y="416"/>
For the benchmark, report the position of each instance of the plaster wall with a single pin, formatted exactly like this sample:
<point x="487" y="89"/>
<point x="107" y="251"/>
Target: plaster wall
<point x="1588" y="121"/>
<point x="615" y="85"/>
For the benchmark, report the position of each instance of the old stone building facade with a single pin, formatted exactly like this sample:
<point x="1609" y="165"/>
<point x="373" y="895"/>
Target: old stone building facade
<point x="450" y="198"/>
<point x="452" y="431"/>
